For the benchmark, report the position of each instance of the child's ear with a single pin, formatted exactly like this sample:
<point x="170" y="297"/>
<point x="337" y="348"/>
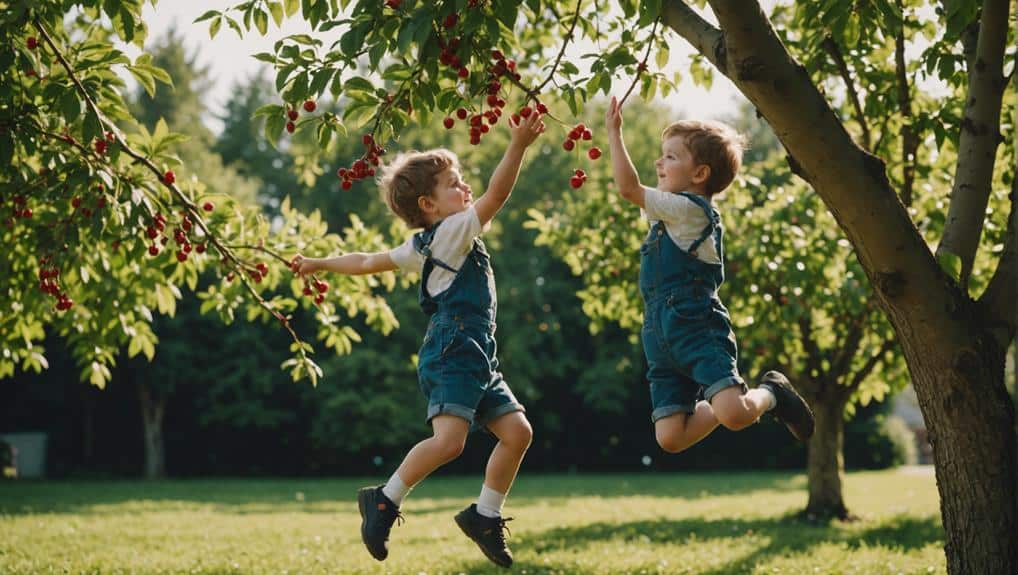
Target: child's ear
<point x="701" y="174"/>
<point x="425" y="203"/>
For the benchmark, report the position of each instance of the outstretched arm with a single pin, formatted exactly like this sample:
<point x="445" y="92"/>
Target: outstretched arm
<point x="347" y="264"/>
<point x="504" y="177"/>
<point x="626" y="178"/>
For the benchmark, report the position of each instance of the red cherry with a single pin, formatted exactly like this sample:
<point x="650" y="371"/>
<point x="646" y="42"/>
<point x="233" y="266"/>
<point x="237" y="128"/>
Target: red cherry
<point x="580" y="174"/>
<point x="525" y="111"/>
<point x="449" y="122"/>
<point x="153" y="250"/>
<point x="75" y="202"/>
<point x="100" y="146"/>
<point x="307" y="290"/>
<point x="27" y="213"/>
<point x="169" y="177"/>
<point x="322" y="287"/>
<point x="450" y="21"/>
<point x="587" y="135"/>
<point x="463" y="73"/>
<point x="594" y="153"/>
<point x="290" y="127"/>
<point x="200" y="248"/>
<point x="208" y="206"/>
<point x="541" y="108"/>
<point x="293" y="115"/>
<point x="346" y="185"/>
<point x="569" y="145"/>
<point x="461" y="113"/>
<point x="33" y="42"/>
<point x="516" y="118"/>
<point x="575" y="182"/>
<point x="309" y="106"/>
<point x="394" y="4"/>
<point x="319" y="300"/>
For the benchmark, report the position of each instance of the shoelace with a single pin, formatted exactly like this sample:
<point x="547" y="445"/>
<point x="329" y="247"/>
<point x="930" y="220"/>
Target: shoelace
<point x="398" y="520"/>
<point x="503" y="530"/>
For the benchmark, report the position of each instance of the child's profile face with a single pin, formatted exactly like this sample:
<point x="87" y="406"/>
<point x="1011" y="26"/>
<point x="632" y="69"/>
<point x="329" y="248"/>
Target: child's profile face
<point x="451" y="194"/>
<point x="676" y="167"/>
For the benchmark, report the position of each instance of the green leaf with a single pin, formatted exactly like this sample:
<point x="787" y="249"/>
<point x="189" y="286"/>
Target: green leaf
<point x="261" y="20"/>
<point x="214" y="27"/>
<point x="276" y="9"/>
<point x="206" y="16"/>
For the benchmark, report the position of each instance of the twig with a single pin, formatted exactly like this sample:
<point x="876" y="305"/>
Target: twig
<point x="643" y="65"/>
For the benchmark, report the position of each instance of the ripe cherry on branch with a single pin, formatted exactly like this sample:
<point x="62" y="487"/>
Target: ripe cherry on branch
<point x="309" y="106"/>
<point x="169" y="177"/>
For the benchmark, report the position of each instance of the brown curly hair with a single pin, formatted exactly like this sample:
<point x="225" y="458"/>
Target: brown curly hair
<point x="715" y="144"/>
<point x="410" y="176"/>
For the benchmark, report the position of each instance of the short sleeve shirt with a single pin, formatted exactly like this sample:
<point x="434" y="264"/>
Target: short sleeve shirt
<point x="684" y="220"/>
<point x="453" y="240"/>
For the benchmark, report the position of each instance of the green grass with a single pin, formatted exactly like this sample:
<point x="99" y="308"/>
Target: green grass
<point x="717" y="524"/>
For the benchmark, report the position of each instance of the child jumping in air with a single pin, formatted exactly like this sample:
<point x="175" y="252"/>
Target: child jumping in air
<point x="687" y="333"/>
<point x="458" y="371"/>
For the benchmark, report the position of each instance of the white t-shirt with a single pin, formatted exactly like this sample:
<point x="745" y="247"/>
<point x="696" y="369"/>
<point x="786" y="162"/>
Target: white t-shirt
<point x="452" y="242"/>
<point x="684" y="220"/>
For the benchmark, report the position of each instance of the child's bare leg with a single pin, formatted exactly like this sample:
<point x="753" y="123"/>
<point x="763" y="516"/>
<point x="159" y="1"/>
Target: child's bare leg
<point x="446" y="443"/>
<point x="681" y="431"/>
<point x="737" y="410"/>
<point x="514" y="434"/>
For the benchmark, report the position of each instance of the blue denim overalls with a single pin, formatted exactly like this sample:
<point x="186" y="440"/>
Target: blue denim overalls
<point x="687" y="333"/>
<point x="457" y="366"/>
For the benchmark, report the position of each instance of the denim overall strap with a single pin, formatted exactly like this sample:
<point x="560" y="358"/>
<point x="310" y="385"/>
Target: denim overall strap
<point x="713" y="222"/>
<point x="422" y="243"/>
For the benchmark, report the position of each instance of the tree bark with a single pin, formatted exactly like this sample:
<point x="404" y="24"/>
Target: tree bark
<point x="955" y="360"/>
<point x="826" y="462"/>
<point x="152" y="408"/>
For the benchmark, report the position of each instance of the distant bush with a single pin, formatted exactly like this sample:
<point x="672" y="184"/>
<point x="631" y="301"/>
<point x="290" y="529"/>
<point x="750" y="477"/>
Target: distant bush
<point x="879" y="442"/>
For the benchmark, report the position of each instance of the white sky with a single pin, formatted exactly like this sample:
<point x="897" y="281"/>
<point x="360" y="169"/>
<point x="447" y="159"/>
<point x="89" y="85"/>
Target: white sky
<point x="229" y="57"/>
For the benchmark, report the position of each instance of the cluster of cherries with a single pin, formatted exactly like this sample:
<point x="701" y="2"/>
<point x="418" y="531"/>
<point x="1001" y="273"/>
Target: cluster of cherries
<point x="479" y="123"/>
<point x="181" y="234"/>
<point x="316" y="288"/>
<point x="364" y="166"/>
<point x="49" y="283"/>
<point x="102" y="144"/>
<point x="292" y="114"/>
<point x="20" y="209"/>
<point x="578" y="133"/>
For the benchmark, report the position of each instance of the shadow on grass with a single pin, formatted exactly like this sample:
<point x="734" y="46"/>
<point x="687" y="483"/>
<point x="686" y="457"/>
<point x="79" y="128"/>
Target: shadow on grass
<point x="778" y="536"/>
<point x="318" y="495"/>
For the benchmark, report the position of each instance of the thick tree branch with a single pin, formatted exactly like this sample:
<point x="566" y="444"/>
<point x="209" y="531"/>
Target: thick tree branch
<point x="700" y="34"/>
<point x="909" y="138"/>
<point x="998" y="303"/>
<point x="846" y="75"/>
<point x="980" y="136"/>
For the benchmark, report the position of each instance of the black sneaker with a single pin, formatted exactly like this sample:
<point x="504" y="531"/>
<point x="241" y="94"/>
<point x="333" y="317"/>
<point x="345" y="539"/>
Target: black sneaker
<point x="790" y="409"/>
<point x="378" y="513"/>
<point x="488" y="533"/>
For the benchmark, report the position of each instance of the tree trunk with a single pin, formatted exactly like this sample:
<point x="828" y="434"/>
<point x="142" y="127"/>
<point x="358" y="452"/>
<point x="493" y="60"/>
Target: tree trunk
<point x="152" y="408"/>
<point x="826" y="462"/>
<point x="971" y="425"/>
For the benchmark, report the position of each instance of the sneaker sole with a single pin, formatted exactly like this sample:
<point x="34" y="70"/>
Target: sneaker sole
<point x="479" y="546"/>
<point x="362" y="506"/>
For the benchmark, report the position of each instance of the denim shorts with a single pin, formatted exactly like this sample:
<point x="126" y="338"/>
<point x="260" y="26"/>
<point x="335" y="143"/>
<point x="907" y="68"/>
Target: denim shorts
<point x="457" y="371"/>
<point x="691" y="352"/>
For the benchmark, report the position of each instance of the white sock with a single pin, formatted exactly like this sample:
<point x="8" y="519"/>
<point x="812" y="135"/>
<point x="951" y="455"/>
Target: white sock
<point x="489" y="502"/>
<point x="395" y="489"/>
<point x="772" y="401"/>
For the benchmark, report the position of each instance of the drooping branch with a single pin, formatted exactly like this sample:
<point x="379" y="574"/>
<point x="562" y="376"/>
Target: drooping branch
<point x="978" y="141"/>
<point x="189" y="206"/>
<point x="834" y="51"/>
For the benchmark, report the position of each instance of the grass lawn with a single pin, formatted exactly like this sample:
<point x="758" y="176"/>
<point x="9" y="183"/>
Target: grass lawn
<point x="718" y="524"/>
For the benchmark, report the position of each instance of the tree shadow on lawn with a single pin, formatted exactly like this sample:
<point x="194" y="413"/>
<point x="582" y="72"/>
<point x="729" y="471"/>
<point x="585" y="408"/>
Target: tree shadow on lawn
<point x="321" y="495"/>
<point x="785" y="536"/>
